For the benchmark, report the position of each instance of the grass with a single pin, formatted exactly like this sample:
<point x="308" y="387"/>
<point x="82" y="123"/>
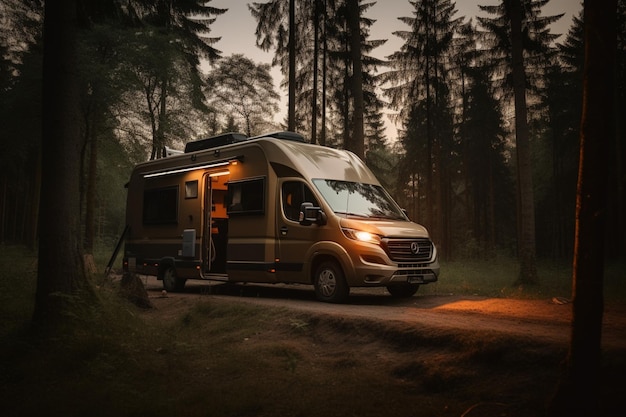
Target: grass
<point x="225" y="359"/>
<point x="495" y="278"/>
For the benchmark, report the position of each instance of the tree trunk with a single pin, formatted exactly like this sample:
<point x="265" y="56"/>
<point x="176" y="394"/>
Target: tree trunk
<point x="90" y="198"/>
<point x="324" y="75"/>
<point x="34" y="232"/>
<point x="526" y="209"/>
<point x="316" y="47"/>
<point x="162" y="128"/>
<point x="60" y="265"/>
<point x="358" y="135"/>
<point x="291" y="111"/>
<point x="578" y="390"/>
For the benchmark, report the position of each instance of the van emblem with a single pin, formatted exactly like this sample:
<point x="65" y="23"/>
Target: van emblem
<point x="415" y="248"/>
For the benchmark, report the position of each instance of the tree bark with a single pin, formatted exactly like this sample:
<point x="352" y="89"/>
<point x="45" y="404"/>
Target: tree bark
<point x="526" y="209"/>
<point x="322" y="140"/>
<point x="90" y="196"/>
<point x="60" y="264"/>
<point x="358" y="140"/>
<point x="578" y="390"/>
<point x="316" y="48"/>
<point x="291" y="111"/>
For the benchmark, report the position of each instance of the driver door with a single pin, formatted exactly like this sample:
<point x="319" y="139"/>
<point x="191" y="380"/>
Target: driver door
<point x="293" y="239"/>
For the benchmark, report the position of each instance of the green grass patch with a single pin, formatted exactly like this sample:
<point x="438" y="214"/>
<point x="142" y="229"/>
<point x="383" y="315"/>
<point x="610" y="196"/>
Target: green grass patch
<point x="496" y="278"/>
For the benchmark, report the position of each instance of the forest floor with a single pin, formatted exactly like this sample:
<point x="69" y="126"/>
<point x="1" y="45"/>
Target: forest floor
<point x="255" y="350"/>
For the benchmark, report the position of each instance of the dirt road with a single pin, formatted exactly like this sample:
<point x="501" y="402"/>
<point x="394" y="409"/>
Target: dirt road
<point x="545" y="320"/>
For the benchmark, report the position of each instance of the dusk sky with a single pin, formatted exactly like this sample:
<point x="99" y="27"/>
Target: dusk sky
<point x="236" y="27"/>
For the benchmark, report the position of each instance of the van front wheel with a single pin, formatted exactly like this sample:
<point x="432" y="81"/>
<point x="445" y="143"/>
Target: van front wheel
<point x="330" y="284"/>
<point x="170" y="281"/>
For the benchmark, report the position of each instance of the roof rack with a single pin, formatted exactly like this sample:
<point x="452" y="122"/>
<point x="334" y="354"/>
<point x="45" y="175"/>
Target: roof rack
<point x="286" y="135"/>
<point x="231" y="137"/>
<point x="215" y="141"/>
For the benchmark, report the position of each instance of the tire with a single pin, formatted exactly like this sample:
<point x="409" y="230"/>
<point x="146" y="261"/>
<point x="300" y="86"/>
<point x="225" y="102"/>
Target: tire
<point x="403" y="290"/>
<point x="170" y="281"/>
<point x="330" y="283"/>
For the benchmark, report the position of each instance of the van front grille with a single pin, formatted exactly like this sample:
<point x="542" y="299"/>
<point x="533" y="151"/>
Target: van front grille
<point x="409" y="250"/>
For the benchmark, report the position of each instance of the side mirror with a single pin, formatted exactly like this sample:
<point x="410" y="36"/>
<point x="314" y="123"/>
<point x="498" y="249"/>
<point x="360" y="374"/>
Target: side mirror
<point x="310" y="214"/>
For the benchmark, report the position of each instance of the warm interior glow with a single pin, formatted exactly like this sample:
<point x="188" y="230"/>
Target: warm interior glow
<point x="219" y="173"/>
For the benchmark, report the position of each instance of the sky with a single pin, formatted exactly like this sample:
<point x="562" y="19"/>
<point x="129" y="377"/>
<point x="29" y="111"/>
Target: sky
<point x="236" y="28"/>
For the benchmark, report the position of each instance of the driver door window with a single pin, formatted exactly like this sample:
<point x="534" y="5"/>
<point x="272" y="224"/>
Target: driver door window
<point x="294" y="193"/>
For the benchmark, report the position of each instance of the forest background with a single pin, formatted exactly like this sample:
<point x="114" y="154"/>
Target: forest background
<point x="454" y="164"/>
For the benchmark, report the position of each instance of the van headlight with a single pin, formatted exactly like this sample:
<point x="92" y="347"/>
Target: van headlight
<point x="361" y="236"/>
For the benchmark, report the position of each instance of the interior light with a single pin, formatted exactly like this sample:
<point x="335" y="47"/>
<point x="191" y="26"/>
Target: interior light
<point x="219" y="173"/>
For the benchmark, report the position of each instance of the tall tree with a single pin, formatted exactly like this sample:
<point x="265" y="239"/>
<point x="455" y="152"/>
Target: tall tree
<point x="244" y="90"/>
<point x="561" y="101"/>
<point x="519" y="37"/>
<point x="330" y="45"/>
<point x="338" y="91"/>
<point x="317" y="18"/>
<point x="617" y="180"/>
<point x="60" y="265"/>
<point x="166" y="49"/>
<point x="291" y="113"/>
<point x="482" y="147"/>
<point x="20" y="117"/>
<point x="98" y="61"/>
<point x="526" y="240"/>
<point x="420" y="92"/>
<point x="276" y="28"/>
<point x="357" y="138"/>
<point x="578" y="392"/>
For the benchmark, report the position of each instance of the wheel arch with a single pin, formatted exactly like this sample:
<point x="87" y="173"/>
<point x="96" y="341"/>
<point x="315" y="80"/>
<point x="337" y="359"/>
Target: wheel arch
<point x="330" y="251"/>
<point x="165" y="263"/>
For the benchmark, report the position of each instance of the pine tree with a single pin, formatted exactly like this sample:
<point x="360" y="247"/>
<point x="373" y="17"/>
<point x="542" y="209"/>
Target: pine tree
<point x="322" y="52"/>
<point x="420" y="93"/>
<point x="519" y="39"/>
<point x="245" y="90"/>
<point x="482" y="148"/>
<point x="165" y="54"/>
<point x="561" y="100"/>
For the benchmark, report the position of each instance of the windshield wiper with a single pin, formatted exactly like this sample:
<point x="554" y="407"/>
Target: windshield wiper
<point x="363" y="216"/>
<point x="388" y="217"/>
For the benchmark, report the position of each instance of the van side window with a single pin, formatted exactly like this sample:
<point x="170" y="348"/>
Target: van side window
<point x="160" y="205"/>
<point x="294" y="193"/>
<point x="246" y="197"/>
<point x="191" y="189"/>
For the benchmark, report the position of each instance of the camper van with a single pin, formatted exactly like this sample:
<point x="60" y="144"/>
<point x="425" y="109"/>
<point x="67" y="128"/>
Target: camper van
<point x="272" y="209"/>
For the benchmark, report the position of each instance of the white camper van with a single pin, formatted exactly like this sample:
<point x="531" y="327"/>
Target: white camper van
<point x="272" y="209"/>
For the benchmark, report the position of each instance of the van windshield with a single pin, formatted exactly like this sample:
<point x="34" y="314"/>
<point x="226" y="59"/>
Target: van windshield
<point x="353" y="199"/>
